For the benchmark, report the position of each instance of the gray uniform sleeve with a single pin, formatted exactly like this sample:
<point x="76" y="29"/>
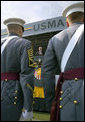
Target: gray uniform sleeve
<point x="49" y="68"/>
<point x="26" y="77"/>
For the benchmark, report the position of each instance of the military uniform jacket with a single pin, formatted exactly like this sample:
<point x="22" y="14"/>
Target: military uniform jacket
<point x="72" y="90"/>
<point x="17" y="94"/>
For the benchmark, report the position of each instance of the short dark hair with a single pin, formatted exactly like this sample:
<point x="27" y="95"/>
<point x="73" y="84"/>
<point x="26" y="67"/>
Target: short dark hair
<point x="76" y="17"/>
<point x="13" y="27"/>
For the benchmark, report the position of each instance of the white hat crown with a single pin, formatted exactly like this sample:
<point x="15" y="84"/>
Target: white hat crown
<point x="14" y="21"/>
<point x="77" y="7"/>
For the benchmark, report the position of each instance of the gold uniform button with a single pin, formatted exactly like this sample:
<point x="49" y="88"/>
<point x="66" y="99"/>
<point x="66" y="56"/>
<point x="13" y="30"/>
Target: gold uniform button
<point x="61" y="98"/>
<point x="61" y="92"/>
<point x="76" y="79"/>
<point x="6" y="79"/>
<point x="60" y="106"/>
<point x="75" y="101"/>
<point x="14" y="103"/>
<point x="15" y="97"/>
<point x="16" y="91"/>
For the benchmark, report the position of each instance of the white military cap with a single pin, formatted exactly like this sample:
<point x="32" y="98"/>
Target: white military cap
<point x="77" y="7"/>
<point x="14" y="21"/>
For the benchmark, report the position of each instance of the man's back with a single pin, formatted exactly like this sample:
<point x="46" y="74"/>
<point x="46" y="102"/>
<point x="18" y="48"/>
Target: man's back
<point x="11" y="56"/>
<point x="57" y="46"/>
<point x="15" y="91"/>
<point x="52" y="66"/>
<point x="68" y="104"/>
<point x="60" y="42"/>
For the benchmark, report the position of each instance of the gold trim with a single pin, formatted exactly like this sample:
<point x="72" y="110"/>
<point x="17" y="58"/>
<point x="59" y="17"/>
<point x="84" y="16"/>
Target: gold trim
<point x="30" y="87"/>
<point x="31" y="58"/>
<point x="38" y="92"/>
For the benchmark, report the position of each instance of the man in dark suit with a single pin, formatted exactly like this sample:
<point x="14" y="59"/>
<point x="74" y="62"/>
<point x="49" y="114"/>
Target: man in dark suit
<point x="67" y="103"/>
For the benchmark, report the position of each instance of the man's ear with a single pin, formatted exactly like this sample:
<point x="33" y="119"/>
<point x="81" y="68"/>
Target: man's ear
<point x="67" y="23"/>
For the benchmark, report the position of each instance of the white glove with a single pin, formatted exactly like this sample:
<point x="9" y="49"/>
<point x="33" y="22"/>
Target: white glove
<point x="26" y="116"/>
<point x="21" y="118"/>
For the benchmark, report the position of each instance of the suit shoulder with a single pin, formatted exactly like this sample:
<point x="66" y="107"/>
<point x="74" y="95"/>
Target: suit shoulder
<point x="66" y="33"/>
<point x="60" y="36"/>
<point x="23" y="41"/>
